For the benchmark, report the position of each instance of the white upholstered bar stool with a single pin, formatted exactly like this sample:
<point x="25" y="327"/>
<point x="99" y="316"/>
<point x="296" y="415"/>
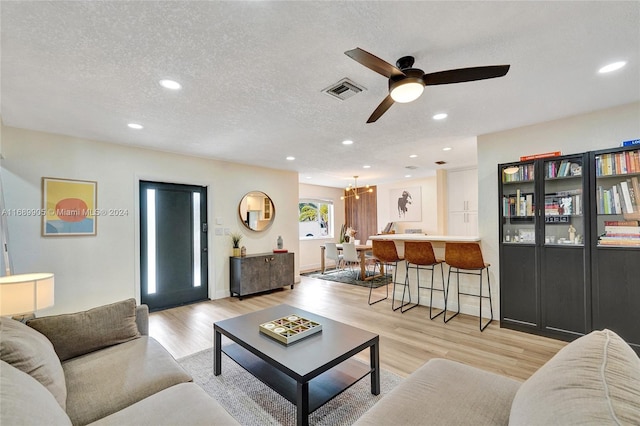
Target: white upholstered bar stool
<point x="419" y="255"/>
<point x="466" y="258"/>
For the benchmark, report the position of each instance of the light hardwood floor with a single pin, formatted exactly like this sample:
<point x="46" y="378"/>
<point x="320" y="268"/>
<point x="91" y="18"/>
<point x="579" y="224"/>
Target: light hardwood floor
<point x="407" y="340"/>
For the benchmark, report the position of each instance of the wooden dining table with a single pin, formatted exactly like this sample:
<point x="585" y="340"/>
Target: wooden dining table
<point x="362" y="249"/>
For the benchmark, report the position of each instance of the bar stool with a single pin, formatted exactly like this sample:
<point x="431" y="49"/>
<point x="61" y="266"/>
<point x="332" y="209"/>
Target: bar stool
<point x="385" y="253"/>
<point x="467" y="257"/>
<point x="419" y="255"/>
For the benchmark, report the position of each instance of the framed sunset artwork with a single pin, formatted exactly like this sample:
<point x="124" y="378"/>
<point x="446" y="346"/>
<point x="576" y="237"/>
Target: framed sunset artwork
<point x="69" y="207"/>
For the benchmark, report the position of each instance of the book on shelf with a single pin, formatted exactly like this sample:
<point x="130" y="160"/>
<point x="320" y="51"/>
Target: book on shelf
<point x="628" y="206"/>
<point x="621" y="235"/>
<point x="621" y="223"/>
<point x="622" y="230"/>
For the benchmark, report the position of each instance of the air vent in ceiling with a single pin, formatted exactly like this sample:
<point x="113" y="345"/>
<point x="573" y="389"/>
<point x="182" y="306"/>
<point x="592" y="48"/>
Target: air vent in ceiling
<point x="440" y="163"/>
<point x="411" y="167"/>
<point x="343" y="89"/>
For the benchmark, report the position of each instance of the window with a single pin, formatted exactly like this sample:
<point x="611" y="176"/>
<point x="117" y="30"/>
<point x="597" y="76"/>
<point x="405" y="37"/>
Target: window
<point x="315" y="218"/>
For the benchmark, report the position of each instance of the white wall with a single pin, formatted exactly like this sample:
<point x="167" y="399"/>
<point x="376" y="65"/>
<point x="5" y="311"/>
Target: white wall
<point x="430" y="200"/>
<point x="310" y="249"/>
<point x="99" y="269"/>
<point x="587" y="132"/>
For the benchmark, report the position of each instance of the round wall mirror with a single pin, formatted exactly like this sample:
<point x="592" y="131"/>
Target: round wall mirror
<point x="256" y="211"/>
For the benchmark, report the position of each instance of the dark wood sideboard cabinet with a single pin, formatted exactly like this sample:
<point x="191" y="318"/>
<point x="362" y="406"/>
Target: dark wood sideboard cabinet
<point x="256" y="273"/>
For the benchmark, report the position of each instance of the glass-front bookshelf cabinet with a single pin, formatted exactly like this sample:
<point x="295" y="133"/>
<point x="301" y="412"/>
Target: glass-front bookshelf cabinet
<point x="615" y="248"/>
<point x="544" y="273"/>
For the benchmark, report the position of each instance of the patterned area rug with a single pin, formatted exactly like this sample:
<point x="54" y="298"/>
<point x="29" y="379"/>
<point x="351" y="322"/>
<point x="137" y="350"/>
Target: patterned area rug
<point x="251" y="402"/>
<point x="347" y="277"/>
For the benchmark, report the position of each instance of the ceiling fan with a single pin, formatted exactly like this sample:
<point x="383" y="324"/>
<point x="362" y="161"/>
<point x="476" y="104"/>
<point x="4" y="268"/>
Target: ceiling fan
<point x="406" y="84"/>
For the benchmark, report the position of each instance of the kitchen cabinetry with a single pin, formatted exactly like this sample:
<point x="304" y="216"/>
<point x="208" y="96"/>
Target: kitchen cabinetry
<point x="462" y="199"/>
<point x="260" y="272"/>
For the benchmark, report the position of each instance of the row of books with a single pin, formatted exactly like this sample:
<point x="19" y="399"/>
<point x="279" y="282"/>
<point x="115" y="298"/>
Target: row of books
<point x="618" y="163"/>
<point x="621" y="233"/>
<point x="525" y="173"/>
<point x="621" y="198"/>
<point x="555" y="169"/>
<point x="518" y="205"/>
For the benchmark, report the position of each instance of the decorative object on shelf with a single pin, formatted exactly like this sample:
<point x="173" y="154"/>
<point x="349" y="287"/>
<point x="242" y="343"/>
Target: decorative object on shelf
<point x="350" y="235"/>
<point x="279" y="242"/>
<point x="572" y="234"/>
<point x="511" y="170"/>
<point x="69" y="207"/>
<point x="24" y="294"/>
<point x="235" y="240"/>
<point x="353" y="191"/>
<point x="290" y="328"/>
<point x="343" y="228"/>
<point x="243" y="251"/>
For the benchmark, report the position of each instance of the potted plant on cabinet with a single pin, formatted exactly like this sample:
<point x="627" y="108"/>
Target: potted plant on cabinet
<point x="235" y="239"/>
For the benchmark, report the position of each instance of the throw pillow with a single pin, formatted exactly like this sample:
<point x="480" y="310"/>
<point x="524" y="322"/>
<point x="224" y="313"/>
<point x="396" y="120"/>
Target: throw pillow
<point x="76" y="334"/>
<point x="26" y="402"/>
<point x="593" y="380"/>
<point x="31" y="352"/>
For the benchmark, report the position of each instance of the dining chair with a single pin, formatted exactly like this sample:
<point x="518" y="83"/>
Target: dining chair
<point x="331" y="252"/>
<point x="350" y="257"/>
<point x="386" y="254"/>
<point x="419" y="255"/>
<point x="466" y="258"/>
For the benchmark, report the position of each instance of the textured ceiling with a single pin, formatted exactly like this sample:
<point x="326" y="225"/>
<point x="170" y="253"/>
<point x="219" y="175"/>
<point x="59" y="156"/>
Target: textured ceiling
<point x="253" y="74"/>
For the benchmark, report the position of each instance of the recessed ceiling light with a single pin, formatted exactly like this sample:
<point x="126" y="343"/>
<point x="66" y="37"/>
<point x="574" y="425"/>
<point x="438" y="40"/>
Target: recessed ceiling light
<point x="407" y="176"/>
<point x="440" y="116"/>
<point x="612" y="67"/>
<point x="309" y="177"/>
<point x="446" y="148"/>
<point x="347" y="142"/>
<point x="170" y="84"/>
<point x="135" y="126"/>
<point x="366" y="166"/>
<point x="290" y="158"/>
<point x="413" y="155"/>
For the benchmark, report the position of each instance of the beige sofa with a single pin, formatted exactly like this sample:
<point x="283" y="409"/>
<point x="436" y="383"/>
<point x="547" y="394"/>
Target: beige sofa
<point x="595" y="380"/>
<point x="96" y="367"/>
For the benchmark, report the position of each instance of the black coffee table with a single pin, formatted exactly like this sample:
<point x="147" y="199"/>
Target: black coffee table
<point x="309" y="372"/>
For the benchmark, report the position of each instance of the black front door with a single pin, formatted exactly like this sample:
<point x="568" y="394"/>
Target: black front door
<point x="173" y="244"/>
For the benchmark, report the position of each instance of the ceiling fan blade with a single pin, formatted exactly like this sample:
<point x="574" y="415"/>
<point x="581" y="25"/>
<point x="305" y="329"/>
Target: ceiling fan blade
<point x="382" y="108"/>
<point x="465" y="74"/>
<point x="373" y="62"/>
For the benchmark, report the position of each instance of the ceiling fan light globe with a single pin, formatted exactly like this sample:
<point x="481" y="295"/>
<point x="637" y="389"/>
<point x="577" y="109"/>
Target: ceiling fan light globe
<point x="406" y="90"/>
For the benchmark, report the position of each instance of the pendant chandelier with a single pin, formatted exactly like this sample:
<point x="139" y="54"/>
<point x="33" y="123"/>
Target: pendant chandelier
<point x="353" y="191"/>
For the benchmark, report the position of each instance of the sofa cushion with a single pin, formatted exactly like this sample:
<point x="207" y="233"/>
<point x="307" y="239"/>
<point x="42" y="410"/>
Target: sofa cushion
<point x="444" y="392"/>
<point x="25" y="401"/>
<point x="31" y="352"/>
<point x="183" y="404"/>
<point x="103" y="382"/>
<point x="593" y="380"/>
<point x="83" y="332"/>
